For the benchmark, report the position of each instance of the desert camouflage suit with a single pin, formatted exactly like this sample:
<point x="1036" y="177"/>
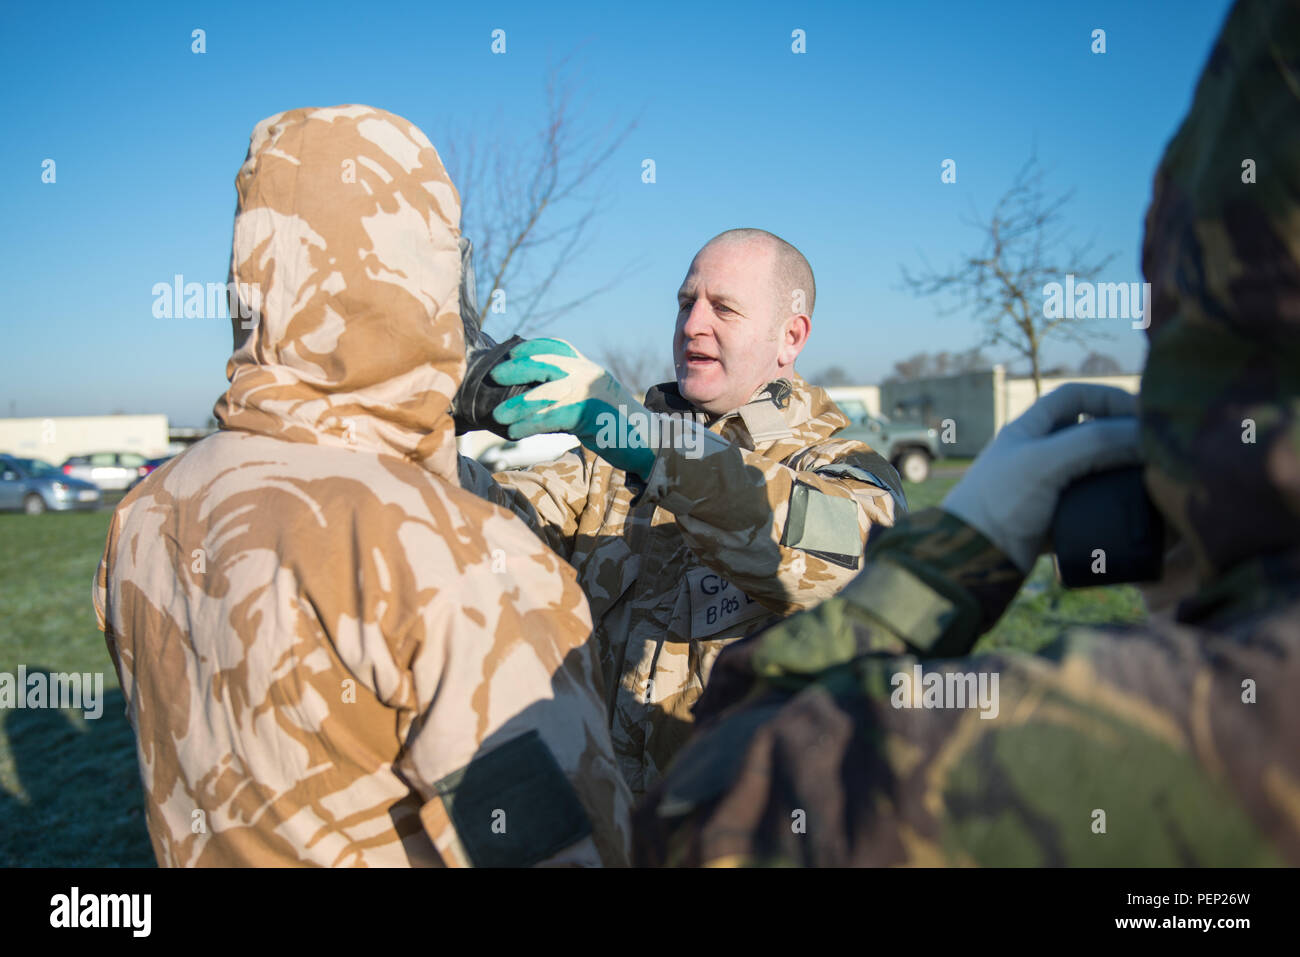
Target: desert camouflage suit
<point x="1184" y="732"/>
<point x="709" y="547"/>
<point x="331" y="653"/>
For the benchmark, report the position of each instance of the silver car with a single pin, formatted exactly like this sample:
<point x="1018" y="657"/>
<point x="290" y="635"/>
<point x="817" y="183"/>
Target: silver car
<point x="35" y="487"/>
<point x="111" y="471"/>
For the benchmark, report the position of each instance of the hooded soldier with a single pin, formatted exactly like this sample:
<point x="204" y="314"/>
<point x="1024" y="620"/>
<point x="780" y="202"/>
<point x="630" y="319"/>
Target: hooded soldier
<point x="1173" y="743"/>
<point x="331" y="653"/>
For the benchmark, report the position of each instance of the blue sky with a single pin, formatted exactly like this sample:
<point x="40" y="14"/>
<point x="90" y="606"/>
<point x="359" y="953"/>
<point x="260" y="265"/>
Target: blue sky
<point x="837" y="150"/>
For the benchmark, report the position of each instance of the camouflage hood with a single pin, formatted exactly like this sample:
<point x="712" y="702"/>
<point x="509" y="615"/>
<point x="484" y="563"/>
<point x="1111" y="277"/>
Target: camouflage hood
<point x="345" y="253"/>
<point x="1221" y="390"/>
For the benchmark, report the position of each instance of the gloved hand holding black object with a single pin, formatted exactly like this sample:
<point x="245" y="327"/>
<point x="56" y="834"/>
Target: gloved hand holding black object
<point x="1011" y="492"/>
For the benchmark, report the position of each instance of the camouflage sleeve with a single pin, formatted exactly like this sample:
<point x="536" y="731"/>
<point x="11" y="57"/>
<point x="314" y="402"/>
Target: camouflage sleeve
<point x="824" y="742"/>
<point x="788" y="537"/>
<point x="931" y="586"/>
<point x="936" y="583"/>
<point x="549" y="497"/>
<point x="1124" y="748"/>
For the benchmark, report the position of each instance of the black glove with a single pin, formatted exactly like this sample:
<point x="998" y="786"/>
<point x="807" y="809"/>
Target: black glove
<point x="479" y="394"/>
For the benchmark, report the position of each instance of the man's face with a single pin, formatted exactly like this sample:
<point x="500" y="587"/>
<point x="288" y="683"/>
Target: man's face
<point x="728" y="342"/>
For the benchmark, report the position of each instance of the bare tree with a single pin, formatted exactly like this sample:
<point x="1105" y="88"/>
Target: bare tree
<point x="1099" y="363"/>
<point x="924" y="364"/>
<point x="832" y="376"/>
<point x="638" y="369"/>
<point x="972" y="360"/>
<point x="913" y="367"/>
<point x="1025" y="247"/>
<point x="529" y="208"/>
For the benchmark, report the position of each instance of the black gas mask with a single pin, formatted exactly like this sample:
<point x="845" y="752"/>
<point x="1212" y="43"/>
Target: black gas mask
<point x="479" y="394"/>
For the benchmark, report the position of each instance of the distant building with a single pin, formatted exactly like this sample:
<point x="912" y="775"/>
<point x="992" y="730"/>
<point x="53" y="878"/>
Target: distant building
<point x="855" y="401"/>
<point x="56" y="438"/>
<point x="976" y="404"/>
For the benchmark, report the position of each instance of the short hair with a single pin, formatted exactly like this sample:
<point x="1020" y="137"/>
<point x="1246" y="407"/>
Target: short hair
<point x="791" y="274"/>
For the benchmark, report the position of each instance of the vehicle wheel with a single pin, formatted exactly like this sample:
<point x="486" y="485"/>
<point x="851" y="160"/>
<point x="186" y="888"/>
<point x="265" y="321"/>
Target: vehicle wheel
<point x="33" y="504"/>
<point x="914" y="466"/>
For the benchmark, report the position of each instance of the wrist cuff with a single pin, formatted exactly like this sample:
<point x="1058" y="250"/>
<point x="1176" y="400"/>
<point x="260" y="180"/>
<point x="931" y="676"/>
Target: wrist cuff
<point x="956" y="563"/>
<point x="936" y="619"/>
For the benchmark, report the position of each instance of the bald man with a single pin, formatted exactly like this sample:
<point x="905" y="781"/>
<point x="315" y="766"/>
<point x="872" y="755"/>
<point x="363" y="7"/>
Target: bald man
<point x="719" y="505"/>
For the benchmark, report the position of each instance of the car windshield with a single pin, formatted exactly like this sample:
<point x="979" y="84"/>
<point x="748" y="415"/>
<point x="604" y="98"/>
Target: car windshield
<point x="36" y="468"/>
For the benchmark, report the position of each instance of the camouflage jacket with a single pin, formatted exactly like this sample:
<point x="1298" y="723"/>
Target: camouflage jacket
<point x="855" y="734"/>
<point x="710" y="547"/>
<point x="323" y="659"/>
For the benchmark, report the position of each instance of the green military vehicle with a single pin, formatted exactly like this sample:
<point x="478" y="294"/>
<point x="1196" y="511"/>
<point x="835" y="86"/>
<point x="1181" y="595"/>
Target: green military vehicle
<point x="909" y="448"/>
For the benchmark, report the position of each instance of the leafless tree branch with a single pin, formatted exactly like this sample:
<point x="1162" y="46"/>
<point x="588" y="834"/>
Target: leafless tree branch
<point x="530" y="207"/>
<point x="1025" y="246"/>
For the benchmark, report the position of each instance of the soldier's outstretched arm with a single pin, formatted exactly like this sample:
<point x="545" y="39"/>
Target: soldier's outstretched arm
<point x="1161" y="746"/>
<point x="549" y="497"/>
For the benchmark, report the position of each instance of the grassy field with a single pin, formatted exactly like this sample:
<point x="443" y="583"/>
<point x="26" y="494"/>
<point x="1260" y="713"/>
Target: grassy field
<point x="69" y="788"/>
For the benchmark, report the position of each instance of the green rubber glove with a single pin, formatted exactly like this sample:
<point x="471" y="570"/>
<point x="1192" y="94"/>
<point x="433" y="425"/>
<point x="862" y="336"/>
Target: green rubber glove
<point x="575" y="395"/>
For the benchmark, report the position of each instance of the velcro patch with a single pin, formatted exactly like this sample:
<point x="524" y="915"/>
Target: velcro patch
<point x="823" y="525"/>
<point x="906" y="605"/>
<point x="765" y="422"/>
<point x="513" y="807"/>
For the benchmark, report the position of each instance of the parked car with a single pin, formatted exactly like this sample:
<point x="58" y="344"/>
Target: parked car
<point x="532" y="450"/>
<point x="35" y="487"/>
<point x="148" y="467"/>
<point x="111" y="471"/>
<point x="908" y="448"/>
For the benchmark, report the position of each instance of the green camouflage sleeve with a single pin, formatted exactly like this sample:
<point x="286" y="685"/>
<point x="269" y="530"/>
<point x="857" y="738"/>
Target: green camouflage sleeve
<point x="1116" y="747"/>
<point x="550" y="497"/>
<point x="1130" y="748"/>
<point x="788" y="537"/>
<point x="931" y="586"/>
